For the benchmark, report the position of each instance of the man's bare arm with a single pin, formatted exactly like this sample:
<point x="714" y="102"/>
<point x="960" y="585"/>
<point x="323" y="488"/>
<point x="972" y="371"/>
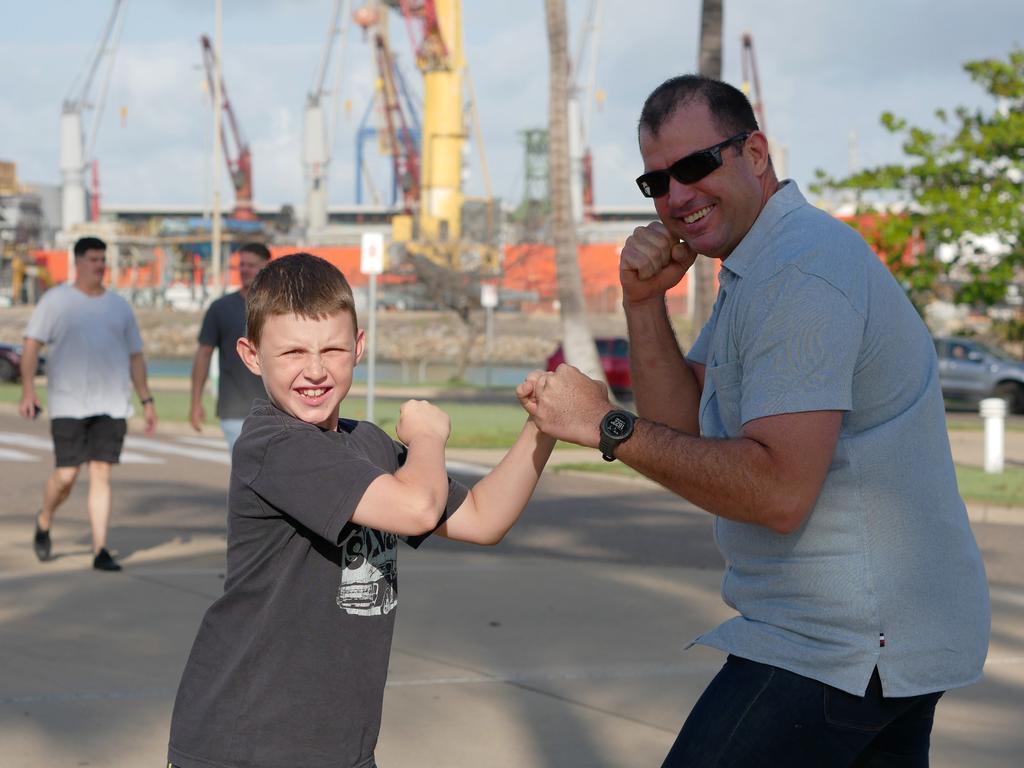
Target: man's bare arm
<point x="772" y="475"/>
<point x="666" y="390"/>
<point x="665" y="386"/>
<point x="200" y="373"/>
<point x="29" y="365"/>
<point x="141" y="384"/>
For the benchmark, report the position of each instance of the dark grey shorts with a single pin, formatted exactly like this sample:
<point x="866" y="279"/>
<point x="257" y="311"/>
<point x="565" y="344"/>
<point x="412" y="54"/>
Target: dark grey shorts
<point x="95" y="438"/>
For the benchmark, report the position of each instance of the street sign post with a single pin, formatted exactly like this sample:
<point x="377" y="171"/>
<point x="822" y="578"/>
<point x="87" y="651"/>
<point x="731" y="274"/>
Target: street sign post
<point x="489" y="300"/>
<point x="371" y="263"/>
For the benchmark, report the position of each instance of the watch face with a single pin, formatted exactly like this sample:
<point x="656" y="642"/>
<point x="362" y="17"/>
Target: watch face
<point x="616" y="425"/>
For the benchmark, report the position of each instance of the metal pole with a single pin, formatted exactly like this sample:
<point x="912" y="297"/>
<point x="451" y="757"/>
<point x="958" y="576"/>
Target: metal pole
<point x="371" y="348"/>
<point x="490" y="340"/>
<point x="218" y="108"/>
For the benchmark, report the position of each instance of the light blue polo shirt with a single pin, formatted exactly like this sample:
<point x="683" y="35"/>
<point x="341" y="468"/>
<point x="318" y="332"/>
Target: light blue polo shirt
<point x="807" y="319"/>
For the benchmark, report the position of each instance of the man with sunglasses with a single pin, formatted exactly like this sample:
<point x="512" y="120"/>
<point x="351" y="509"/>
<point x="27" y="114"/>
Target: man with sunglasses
<point x="808" y="419"/>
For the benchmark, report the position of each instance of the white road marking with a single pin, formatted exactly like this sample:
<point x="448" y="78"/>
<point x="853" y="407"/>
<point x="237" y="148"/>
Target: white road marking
<point x="9" y="454"/>
<point x="198" y="448"/>
<point x="200" y="454"/>
<point x="131" y="457"/>
<point x="214" y="443"/>
<point x="465" y="468"/>
<point x="138" y="449"/>
<point x="23" y="440"/>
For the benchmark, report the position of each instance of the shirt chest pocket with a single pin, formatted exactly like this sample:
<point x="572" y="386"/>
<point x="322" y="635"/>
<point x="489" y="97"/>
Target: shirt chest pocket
<point x="721" y="410"/>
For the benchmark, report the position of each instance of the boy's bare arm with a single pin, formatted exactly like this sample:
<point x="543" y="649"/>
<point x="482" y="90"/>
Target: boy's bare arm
<point x="495" y="503"/>
<point x="410" y="502"/>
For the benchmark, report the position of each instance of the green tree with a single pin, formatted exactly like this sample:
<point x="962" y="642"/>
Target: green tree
<point x="961" y="186"/>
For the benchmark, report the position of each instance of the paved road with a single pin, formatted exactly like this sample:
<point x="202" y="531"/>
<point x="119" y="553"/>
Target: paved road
<point x="562" y="647"/>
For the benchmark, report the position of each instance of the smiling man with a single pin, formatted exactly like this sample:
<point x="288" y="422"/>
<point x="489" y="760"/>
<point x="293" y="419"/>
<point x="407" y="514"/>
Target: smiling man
<point x="808" y="419"/>
<point x="95" y="361"/>
<point x="223" y="325"/>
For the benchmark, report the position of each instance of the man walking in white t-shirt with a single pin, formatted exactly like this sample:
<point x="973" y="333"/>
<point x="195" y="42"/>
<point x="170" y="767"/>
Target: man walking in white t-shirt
<point x="95" y="360"/>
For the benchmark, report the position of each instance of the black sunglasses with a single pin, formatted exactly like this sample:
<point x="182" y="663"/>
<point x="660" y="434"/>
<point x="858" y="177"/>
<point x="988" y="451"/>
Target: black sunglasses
<point x="689" y="169"/>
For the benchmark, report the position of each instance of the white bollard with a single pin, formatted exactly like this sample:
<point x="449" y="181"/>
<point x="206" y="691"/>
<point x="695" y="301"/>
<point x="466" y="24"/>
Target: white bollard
<point x="993" y="411"/>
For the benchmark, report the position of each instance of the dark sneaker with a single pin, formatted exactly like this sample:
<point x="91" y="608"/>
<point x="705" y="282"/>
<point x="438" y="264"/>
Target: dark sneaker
<point x="104" y="562"/>
<point x="41" y="543"/>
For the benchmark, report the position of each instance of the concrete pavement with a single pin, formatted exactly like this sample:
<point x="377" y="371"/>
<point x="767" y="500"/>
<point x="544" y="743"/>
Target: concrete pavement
<point x="560" y="648"/>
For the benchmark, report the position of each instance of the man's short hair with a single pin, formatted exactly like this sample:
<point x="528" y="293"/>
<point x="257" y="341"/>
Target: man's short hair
<point x="256" y="249"/>
<point x="88" y="244"/>
<point x="730" y="108"/>
<point x="298" y="284"/>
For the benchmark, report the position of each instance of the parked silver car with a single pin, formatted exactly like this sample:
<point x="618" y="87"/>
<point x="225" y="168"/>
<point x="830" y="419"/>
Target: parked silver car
<point x="970" y="371"/>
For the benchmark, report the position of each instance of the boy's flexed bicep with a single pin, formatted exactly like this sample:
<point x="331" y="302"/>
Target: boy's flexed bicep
<point x="389" y="504"/>
<point x="410" y="502"/>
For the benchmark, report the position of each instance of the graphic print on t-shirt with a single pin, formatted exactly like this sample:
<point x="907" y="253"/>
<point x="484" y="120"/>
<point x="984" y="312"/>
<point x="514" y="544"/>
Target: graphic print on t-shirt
<point x="369" y="576"/>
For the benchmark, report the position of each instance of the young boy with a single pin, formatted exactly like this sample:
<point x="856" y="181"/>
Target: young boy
<point x="289" y="664"/>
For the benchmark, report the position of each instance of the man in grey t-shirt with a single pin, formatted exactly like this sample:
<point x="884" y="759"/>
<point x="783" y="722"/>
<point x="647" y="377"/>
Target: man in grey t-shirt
<point x="95" y="361"/>
<point x="222" y="326"/>
<point x="808" y="419"/>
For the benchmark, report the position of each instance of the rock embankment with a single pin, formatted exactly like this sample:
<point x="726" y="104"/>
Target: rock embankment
<point x="435" y="337"/>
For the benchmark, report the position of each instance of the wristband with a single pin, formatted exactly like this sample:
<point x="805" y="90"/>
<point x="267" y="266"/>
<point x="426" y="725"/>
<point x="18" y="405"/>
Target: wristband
<point x="146" y="400"/>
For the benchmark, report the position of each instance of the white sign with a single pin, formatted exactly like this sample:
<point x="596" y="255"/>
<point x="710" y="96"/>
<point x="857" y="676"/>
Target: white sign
<point x="488" y="295"/>
<point x="372" y="261"/>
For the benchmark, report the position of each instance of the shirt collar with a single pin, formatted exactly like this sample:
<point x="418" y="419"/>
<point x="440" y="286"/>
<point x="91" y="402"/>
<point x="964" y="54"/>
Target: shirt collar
<point x="751" y="248"/>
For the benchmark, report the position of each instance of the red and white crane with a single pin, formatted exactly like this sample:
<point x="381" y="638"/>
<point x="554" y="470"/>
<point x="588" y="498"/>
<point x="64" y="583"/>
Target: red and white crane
<point x="238" y="156"/>
<point x="750" y="77"/>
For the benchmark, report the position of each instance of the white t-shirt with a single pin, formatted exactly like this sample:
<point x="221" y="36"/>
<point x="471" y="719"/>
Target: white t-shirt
<point x="91" y="340"/>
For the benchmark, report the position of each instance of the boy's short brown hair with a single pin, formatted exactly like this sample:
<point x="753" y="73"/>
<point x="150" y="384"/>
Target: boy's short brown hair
<point x="298" y="284"/>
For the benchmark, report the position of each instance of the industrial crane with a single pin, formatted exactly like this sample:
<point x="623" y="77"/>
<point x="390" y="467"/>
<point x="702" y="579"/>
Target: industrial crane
<point x="75" y="152"/>
<point x="318" y="134"/>
<point x="431" y="223"/>
<point x="750" y="76"/>
<point x="407" y="146"/>
<point x="404" y="151"/>
<point x="752" y="88"/>
<point x="581" y="99"/>
<point x="239" y="161"/>
<point x="401" y="125"/>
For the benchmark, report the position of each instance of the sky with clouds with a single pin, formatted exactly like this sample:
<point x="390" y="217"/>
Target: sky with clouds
<point x="827" y="68"/>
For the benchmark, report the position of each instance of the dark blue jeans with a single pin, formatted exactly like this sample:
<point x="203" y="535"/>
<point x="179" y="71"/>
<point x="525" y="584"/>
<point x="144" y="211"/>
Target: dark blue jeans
<point x="757" y="715"/>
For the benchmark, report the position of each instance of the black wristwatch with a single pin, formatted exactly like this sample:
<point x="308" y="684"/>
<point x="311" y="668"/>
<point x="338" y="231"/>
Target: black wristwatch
<point x="616" y="428"/>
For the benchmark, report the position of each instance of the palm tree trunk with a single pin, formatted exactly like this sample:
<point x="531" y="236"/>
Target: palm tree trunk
<point x="703" y="290"/>
<point x="577" y="340"/>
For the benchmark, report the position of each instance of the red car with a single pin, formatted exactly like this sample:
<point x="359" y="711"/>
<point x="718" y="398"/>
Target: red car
<point x="614" y="353"/>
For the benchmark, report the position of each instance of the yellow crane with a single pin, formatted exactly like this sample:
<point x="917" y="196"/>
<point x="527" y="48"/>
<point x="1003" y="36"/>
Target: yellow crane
<point x="433" y="222"/>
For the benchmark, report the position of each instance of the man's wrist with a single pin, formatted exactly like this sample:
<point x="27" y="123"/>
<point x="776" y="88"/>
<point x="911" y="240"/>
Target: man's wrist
<point x="650" y="309"/>
<point x="616" y="428"/>
<point x="147" y="400"/>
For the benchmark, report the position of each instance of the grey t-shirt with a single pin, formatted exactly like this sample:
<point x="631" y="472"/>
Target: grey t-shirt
<point x="91" y="340"/>
<point x="885" y="571"/>
<point x="237" y="387"/>
<point x="289" y="664"/>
